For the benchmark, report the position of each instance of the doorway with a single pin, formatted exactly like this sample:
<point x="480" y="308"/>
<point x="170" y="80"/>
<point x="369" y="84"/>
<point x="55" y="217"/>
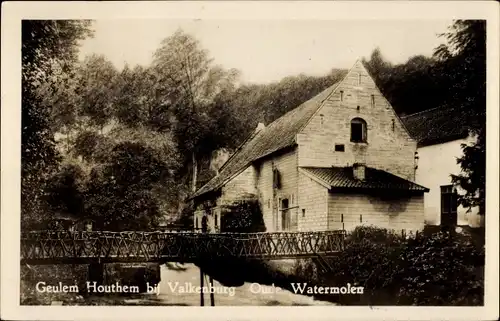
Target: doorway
<point x="448" y="206"/>
<point x="285" y="215"/>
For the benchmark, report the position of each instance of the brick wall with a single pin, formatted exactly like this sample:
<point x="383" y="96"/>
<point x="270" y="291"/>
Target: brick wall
<point x="389" y="147"/>
<point x="241" y="186"/>
<point x="287" y="165"/>
<point x="405" y="212"/>
<point x="313" y="200"/>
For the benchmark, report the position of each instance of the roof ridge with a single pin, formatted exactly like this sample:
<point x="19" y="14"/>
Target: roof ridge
<point x="294" y="110"/>
<point x="428" y="110"/>
<point x="237" y="149"/>
<point x="321" y="103"/>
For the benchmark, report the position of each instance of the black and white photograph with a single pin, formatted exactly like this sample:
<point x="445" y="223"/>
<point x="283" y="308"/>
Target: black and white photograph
<point x="212" y="159"/>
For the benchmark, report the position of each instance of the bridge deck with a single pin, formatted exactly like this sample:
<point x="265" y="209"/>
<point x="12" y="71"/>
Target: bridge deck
<point x="78" y="247"/>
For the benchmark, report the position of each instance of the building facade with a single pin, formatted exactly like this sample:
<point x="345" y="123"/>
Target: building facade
<point x="440" y="133"/>
<point x="342" y="159"/>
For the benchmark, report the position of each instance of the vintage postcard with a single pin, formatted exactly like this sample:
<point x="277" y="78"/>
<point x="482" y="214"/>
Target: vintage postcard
<point x="250" y="160"/>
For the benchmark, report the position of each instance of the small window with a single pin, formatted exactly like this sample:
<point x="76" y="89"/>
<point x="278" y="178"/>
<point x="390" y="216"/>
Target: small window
<point x="339" y="148"/>
<point x="373" y="100"/>
<point x="215" y="220"/>
<point x="303" y="212"/>
<point x="341" y="95"/>
<point x="359" y="79"/>
<point x="358" y="131"/>
<point x="268" y="203"/>
<point x="342" y="218"/>
<point x="196" y="223"/>
<point x="393" y="125"/>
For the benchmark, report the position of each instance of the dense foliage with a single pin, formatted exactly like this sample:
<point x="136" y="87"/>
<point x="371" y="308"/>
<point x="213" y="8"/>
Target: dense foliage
<point x="47" y="47"/>
<point x="428" y="269"/>
<point x="466" y="54"/>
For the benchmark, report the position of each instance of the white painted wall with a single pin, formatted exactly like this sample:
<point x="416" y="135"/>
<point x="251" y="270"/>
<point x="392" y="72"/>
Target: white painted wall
<point x="436" y="163"/>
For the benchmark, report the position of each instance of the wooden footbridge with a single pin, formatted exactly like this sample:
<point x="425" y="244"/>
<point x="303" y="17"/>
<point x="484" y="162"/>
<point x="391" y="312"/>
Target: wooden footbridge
<point x="81" y="247"/>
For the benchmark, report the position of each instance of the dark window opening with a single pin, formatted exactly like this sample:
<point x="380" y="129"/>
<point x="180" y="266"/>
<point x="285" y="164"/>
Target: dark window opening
<point x="284" y="204"/>
<point x="276" y="178"/>
<point x="339" y="147"/>
<point x="358" y="131"/>
<point x="393" y="125"/>
<point x="303" y="212"/>
<point x="215" y="220"/>
<point x="196" y="223"/>
<point x="341" y="95"/>
<point x="373" y="100"/>
<point x="359" y="79"/>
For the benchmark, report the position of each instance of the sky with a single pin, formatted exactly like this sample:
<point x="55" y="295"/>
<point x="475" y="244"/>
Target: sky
<point x="268" y="50"/>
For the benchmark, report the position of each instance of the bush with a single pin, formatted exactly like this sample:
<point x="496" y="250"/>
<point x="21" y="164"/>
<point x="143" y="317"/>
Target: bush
<point x="437" y="269"/>
<point x="243" y="216"/>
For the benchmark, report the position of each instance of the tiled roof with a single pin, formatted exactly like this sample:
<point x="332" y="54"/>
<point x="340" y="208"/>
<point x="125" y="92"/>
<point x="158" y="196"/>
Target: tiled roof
<point x="342" y="177"/>
<point x="278" y="135"/>
<point x="438" y="125"/>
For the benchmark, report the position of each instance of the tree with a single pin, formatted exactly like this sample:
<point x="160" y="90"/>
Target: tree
<point x="465" y="54"/>
<point x="473" y="176"/>
<point x="120" y="193"/>
<point x="97" y="88"/>
<point x="45" y="44"/>
<point x="136" y="103"/>
<point x="191" y="86"/>
<point x="403" y="84"/>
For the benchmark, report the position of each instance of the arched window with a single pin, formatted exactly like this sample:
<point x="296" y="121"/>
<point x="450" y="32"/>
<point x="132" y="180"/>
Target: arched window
<point x="358" y="131"/>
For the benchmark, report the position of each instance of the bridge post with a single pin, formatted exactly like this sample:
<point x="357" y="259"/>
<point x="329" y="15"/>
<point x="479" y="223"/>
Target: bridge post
<point x="202" y="276"/>
<point x="212" y="296"/>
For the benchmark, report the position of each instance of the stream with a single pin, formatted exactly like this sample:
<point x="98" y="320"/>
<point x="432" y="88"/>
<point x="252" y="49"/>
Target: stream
<point x="178" y="286"/>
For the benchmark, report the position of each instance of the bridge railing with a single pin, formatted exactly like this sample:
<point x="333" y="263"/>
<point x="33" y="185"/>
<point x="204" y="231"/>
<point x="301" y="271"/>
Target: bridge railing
<point x="46" y="247"/>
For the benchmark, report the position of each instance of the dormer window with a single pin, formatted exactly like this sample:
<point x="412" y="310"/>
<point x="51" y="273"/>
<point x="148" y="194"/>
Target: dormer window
<point x="358" y="131"/>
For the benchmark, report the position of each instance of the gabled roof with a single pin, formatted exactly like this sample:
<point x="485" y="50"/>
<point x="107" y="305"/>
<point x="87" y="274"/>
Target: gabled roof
<point x="438" y="125"/>
<point x="342" y="177"/>
<point x="276" y="136"/>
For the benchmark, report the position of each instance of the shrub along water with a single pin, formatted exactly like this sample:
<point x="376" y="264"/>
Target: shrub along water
<point x="436" y="269"/>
